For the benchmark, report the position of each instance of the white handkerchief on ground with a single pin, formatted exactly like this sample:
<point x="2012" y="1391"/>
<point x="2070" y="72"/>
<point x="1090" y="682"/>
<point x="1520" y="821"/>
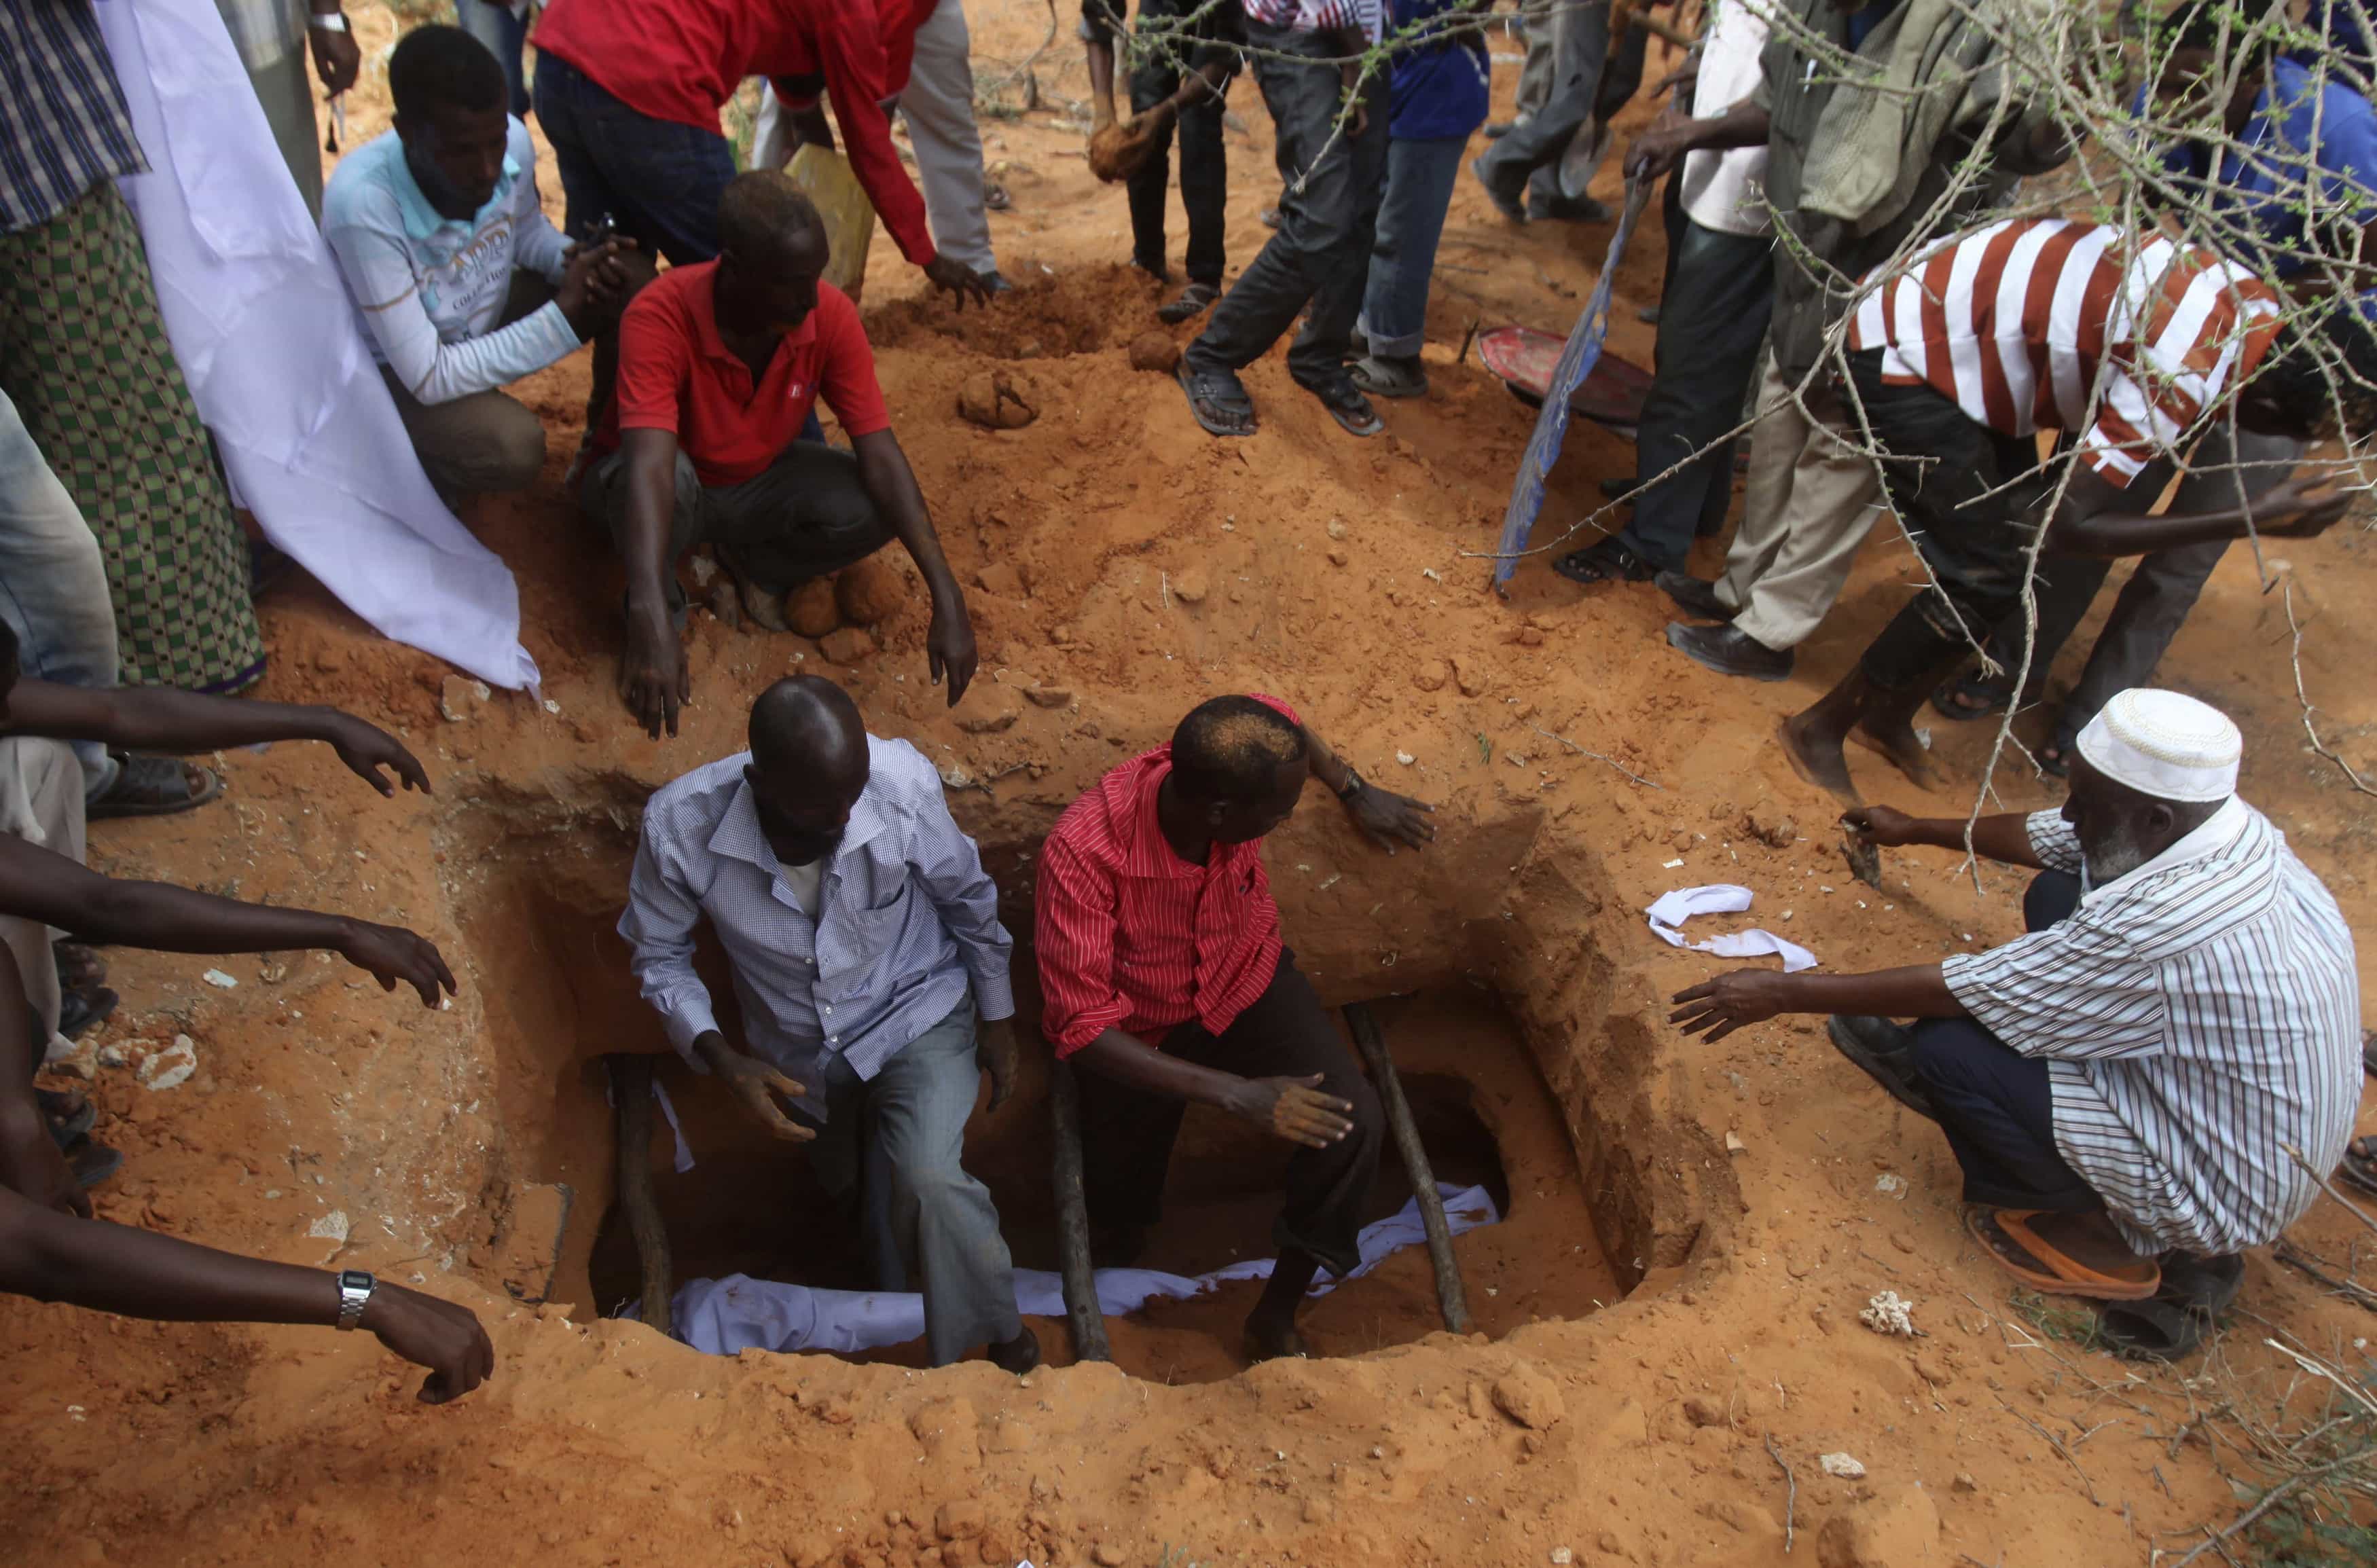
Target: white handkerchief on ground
<point x="1672" y="909"/>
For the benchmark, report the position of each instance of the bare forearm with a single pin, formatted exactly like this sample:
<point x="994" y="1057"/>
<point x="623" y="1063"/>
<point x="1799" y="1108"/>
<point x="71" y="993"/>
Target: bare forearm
<point x="2004" y="838"/>
<point x="1326" y="765"/>
<point x="1101" y="53"/>
<point x="57" y="892"/>
<point x="2111" y="535"/>
<point x="1130" y="1061"/>
<point x="157" y="718"/>
<point x="1916" y="991"/>
<point x="113" y="1268"/>
<point x="1744" y="125"/>
<point x="891" y="483"/>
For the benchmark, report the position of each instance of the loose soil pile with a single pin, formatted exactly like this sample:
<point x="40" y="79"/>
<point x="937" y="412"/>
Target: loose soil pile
<point x="1669" y="1317"/>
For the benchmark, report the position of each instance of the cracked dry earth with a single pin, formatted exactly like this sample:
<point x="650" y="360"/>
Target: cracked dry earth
<point x="1669" y="1316"/>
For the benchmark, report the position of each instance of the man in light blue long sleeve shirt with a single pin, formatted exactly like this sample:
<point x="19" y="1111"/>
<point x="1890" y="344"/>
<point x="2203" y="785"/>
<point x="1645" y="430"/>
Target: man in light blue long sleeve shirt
<point x="461" y="282"/>
<point x="865" y="941"/>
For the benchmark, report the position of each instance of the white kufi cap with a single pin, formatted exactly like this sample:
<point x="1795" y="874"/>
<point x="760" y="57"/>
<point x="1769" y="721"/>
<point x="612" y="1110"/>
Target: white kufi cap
<point x="2165" y="744"/>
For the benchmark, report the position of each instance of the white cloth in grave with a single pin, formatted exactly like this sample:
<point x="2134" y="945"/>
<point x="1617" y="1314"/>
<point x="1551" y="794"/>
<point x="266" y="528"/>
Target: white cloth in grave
<point x="721" y="1317"/>
<point x="1672" y="909"/>
<point x="267" y="339"/>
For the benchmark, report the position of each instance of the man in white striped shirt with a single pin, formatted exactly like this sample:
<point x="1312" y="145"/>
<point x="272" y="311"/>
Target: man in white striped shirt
<point x="2132" y="342"/>
<point x="2120" y="1087"/>
<point x="871" y="968"/>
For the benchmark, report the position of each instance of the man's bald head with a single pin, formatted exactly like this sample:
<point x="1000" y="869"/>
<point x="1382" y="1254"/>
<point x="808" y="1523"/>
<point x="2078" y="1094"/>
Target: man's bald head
<point x="808" y="764"/>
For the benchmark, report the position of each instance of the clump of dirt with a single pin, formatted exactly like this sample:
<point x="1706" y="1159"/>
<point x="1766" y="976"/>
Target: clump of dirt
<point x="1667" y="1347"/>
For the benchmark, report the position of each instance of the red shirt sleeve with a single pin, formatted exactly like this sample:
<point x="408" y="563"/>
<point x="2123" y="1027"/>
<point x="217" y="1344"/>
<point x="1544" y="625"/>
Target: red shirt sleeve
<point x="846" y="366"/>
<point x="655" y="350"/>
<point x="1073" y="929"/>
<point x="854" y="75"/>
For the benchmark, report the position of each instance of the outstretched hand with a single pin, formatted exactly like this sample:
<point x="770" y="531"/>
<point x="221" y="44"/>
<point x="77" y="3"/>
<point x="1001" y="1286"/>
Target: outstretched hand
<point x="949" y="650"/>
<point x="366" y="749"/>
<point x="2302" y="505"/>
<point x="1881" y="827"/>
<point x="392" y="954"/>
<point x="1293" y="1108"/>
<point x="655" y="679"/>
<point x="756" y="1083"/>
<point x="1386" y="819"/>
<point x="959" y="279"/>
<point x="439" y="1335"/>
<point x="1718" y="1007"/>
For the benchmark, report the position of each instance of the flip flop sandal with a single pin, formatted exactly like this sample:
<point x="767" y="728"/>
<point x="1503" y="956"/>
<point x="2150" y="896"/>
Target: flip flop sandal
<point x="79" y="965"/>
<point x="1605" y="560"/>
<point x="1218" y="401"/>
<point x="2358" y="1169"/>
<point x="155" y="786"/>
<point x="1349" y="408"/>
<point x="2055" y="758"/>
<point x="91" y="1162"/>
<point x="69" y="1116"/>
<point x="1968" y="698"/>
<point x="995" y="197"/>
<point x="2006" y="1236"/>
<point x="82" y="1012"/>
<point x="1387" y="379"/>
<point x="1194" y="301"/>
<point x="2171" y="1323"/>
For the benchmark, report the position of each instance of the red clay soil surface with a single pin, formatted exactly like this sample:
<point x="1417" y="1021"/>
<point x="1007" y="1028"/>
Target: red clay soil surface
<point x="1669" y="1323"/>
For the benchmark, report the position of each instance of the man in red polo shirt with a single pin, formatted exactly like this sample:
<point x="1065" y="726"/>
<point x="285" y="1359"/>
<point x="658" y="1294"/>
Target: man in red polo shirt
<point x="720" y="366"/>
<point x="1164" y="976"/>
<point x="629" y="93"/>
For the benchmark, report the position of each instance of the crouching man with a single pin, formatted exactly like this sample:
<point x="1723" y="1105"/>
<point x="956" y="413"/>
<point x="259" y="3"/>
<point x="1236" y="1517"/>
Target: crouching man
<point x="872" y="972"/>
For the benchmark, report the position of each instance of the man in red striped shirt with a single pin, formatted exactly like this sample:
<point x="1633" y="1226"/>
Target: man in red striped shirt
<point x="1164" y="976"/>
<point x="2133" y="343"/>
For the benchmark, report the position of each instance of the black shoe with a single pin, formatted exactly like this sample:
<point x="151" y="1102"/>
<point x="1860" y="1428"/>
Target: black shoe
<point x="1566" y="210"/>
<point x="1729" y="652"/>
<point x="82" y="1012"/>
<point x="1697" y="594"/>
<point x="1510" y="204"/>
<point x="1884" y="1053"/>
<point x="1017" y="1356"/>
<point x="1603" y="560"/>
<point x="1194" y="301"/>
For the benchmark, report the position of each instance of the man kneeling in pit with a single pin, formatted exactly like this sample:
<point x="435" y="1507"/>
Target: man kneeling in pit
<point x="1167" y="983"/>
<point x="872" y="973"/>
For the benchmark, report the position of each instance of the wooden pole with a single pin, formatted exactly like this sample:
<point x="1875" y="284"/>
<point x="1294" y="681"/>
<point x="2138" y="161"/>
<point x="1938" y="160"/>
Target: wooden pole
<point x="631" y="1101"/>
<point x="1450" y="1296"/>
<point x="1089" y="1325"/>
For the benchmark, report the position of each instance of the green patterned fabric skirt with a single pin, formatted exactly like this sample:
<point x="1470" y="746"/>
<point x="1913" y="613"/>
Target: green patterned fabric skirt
<point x="84" y="356"/>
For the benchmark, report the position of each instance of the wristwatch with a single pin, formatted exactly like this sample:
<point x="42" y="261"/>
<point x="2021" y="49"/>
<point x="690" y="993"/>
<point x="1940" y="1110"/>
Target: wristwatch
<point x="355" y="1289"/>
<point x="328" y="21"/>
<point x="1354" y="783"/>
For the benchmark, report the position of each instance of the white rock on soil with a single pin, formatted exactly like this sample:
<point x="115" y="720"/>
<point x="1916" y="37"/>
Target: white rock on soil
<point x="1841" y="1464"/>
<point x="1887" y="1313"/>
<point x="332" y="1227"/>
<point x="171" y="1067"/>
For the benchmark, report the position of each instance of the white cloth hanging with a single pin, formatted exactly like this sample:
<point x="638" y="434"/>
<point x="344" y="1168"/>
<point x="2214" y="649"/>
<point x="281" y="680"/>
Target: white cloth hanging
<point x="268" y="340"/>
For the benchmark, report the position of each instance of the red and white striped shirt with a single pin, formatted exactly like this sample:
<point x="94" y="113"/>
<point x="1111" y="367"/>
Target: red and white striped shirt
<point x="2020" y="321"/>
<point x="1131" y="936"/>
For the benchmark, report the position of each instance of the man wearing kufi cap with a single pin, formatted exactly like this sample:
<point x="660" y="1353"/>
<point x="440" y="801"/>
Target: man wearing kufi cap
<point x="2120" y="1086"/>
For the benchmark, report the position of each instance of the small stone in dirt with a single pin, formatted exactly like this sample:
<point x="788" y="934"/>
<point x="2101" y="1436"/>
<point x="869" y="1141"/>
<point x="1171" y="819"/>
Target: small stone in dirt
<point x="171" y="1067"/>
<point x="1528" y="1397"/>
<point x="1108" y="1555"/>
<point x="460" y="696"/>
<point x="960" y="1519"/>
<point x="846" y="646"/>
<point x="1337" y="556"/>
<point x="868" y="591"/>
<point x="1733" y="1143"/>
<point x="1469" y="676"/>
<point x="1965" y="1482"/>
<point x="1047" y="696"/>
<point x="1336" y="527"/>
<point x="1406" y="757"/>
<point x="1529" y="637"/>
<point x="1891" y="1186"/>
<point x="1190" y="587"/>
<point x="990" y="399"/>
<point x="1703" y="1411"/>
<point x="1841" y="1464"/>
<point x="1888" y="1313"/>
<point x="1561" y="1557"/>
<point x="1897" y="1530"/>
<point x="988" y="716"/>
<point x="1000" y="578"/>
<point x="1155" y="351"/>
<point x="810" y="609"/>
<point x="1431" y="675"/>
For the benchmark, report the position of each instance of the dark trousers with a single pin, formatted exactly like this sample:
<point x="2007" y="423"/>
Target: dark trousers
<point x="1995" y="1104"/>
<point x="1204" y="163"/>
<point x="1712" y="321"/>
<point x="1329" y="215"/>
<point x="1532" y="151"/>
<point x="1127" y="1134"/>
<point x="805" y="515"/>
<point x="659" y="179"/>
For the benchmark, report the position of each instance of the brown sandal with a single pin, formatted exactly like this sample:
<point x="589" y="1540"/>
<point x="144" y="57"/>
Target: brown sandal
<point x="2006" y="1236"/>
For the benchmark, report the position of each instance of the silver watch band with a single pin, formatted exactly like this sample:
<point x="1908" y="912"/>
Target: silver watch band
<point x="355" y="1289"/>
<point x="328" y="21"/>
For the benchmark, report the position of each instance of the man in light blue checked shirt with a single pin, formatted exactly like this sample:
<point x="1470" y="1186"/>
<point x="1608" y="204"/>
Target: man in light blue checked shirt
<point x="865" y="940"/>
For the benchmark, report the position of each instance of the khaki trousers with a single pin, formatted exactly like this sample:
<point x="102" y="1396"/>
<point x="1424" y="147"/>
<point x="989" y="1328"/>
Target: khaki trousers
<point x="1807" y="503"/>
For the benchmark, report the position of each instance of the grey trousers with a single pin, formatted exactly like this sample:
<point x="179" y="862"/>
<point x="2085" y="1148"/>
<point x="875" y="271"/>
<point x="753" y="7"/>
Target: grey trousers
<point x="1535" y="74"/>
<point x="1807" y="502"/>
<point x="937" y="106"/>
<point x="54" y="583"/>
<point x="2228" y="466"/>
<point x="1531" y="153"/>
<point x="805" y="516"/>
<point x="41" y="802"/>
<point x="892" y="1149"/>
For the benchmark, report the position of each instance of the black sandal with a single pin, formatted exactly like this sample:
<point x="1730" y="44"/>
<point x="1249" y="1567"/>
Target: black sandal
<point x="2358" y="1167"/>
<point x="1348" y="407"/>
<point x="82" y="1012"/>
<point x="1194" y="301"/>
<point x="1970" y="697"/>
<point x="1605" y="560"/>
<point x="154" y="786"/>
<point x="2171" y="1323"/>
<point x="69" y="1116"/>
<point x="2055" y="758"/>
<point x="1218" y="399"/>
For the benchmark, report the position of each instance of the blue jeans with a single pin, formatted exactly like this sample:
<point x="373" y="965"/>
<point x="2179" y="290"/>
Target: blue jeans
<point x="492" y="24"/>
<point x="660" y="180"/>
<point x="892" y="1149"/>
<point x="1996" y="1105"/>
<point x="53" y="583"/>
<point x="1420" y="177"/>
